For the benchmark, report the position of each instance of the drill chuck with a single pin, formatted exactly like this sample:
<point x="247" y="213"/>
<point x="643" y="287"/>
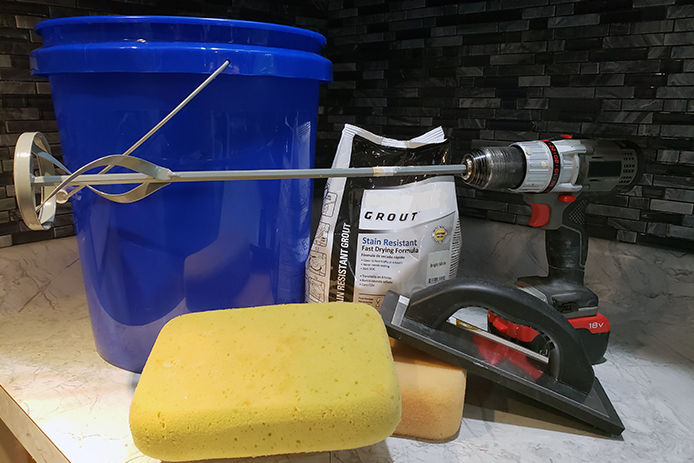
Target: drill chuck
<point x="559" y="166"/>
<point x="495" y="167"/>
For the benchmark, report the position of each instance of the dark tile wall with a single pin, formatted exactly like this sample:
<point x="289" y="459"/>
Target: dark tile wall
<point x="488" y="72"/>
<point x="505" y="70"/>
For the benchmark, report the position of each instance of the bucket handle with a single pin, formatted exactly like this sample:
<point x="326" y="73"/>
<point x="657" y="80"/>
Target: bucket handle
<point x="154" y="129"/>
<point x="32" y="151"/>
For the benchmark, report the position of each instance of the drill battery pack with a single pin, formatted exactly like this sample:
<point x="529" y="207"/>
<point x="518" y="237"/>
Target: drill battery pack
<point x="594" y="331"/>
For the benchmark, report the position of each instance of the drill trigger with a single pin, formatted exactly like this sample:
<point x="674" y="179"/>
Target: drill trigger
<point x="539" y="215"/>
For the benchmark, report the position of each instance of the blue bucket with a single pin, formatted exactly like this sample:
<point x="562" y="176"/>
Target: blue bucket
<point x="190" y="246"/>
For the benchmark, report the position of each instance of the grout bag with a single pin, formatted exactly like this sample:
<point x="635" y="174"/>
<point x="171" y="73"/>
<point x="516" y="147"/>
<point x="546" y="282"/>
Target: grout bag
<point x="383" y="233"/>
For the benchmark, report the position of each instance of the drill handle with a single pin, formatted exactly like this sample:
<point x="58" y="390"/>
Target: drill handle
<point x="567" y="244"/>
<point x="563" y="217"/>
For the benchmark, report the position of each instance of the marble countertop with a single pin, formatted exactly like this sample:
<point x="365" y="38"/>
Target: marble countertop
<point x="64" y="403"/>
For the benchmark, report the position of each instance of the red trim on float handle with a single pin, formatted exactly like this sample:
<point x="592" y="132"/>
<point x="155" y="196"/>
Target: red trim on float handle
<point x="495" y="353"/>
<point x="510" y="329"/>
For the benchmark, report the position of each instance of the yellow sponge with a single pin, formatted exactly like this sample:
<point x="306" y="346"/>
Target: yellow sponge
<point x="266" y="380"/>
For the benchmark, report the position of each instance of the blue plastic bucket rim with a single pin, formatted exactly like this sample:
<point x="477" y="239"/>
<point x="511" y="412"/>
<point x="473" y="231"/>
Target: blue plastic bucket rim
<point x="172" y="44"/>
<point x="190" y="20"/>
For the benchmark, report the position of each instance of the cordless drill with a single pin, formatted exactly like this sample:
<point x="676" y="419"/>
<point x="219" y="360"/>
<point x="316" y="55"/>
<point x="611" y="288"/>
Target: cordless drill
<point x="558" y="179"/>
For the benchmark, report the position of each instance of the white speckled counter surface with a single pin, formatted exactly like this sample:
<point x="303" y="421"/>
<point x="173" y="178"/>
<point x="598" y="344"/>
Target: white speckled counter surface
<point x="64" y="403"/>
